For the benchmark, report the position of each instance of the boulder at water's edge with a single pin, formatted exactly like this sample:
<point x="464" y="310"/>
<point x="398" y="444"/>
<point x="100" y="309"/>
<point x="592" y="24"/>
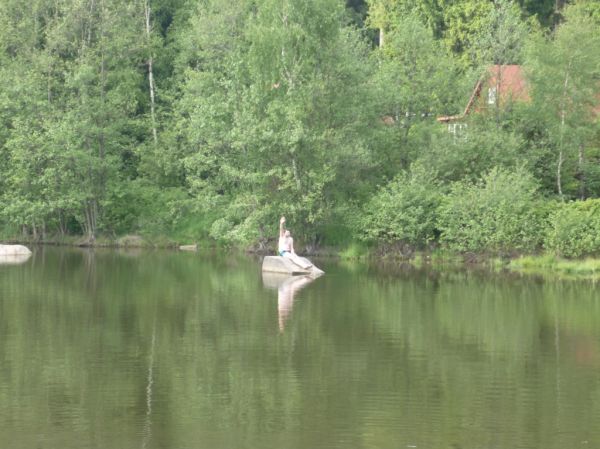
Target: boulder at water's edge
<point x="279" y="264"/>
<point x="14" y="254"/>
<point x="14" y="250"/>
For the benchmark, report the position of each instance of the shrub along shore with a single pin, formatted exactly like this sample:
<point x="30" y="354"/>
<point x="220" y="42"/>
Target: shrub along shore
<point x="499" y="221"/>
<point x="545" y="264"/>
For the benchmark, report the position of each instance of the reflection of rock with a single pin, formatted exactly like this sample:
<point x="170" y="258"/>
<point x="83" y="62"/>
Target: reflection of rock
<point x="287" y="286"/>
<point x="276" y="280"/>
<point x="15" y="259"/>
<point x="279" y="264"/>
<point x="14" y="250"/>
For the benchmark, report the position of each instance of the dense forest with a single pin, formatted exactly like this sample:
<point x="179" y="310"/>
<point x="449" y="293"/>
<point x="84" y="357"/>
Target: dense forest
<point x="205" y="120"/>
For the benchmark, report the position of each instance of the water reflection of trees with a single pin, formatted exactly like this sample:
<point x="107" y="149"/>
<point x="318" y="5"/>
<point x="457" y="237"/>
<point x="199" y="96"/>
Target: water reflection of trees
<point x="385" y="359"/>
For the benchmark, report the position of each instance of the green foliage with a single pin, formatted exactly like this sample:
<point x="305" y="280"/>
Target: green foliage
<point x="472" y="152"/>
<point x="464" y="22"/>
<point x="141" y="207"/>
<point x="355" y="250"/>
<point x="278" y="127"/>
<point x="550" y="265"/>
<point x="574" y="229"/>
<point x="416" y="80"/>
<point x="501" y="40"/>
<point x="386" y="14"/>
<point x="404" y="210"/>
<point x="564" y="80"/>
<point x="543" y="10"/>
<point x="498" y="213"/>
<point x="269" y="107"/>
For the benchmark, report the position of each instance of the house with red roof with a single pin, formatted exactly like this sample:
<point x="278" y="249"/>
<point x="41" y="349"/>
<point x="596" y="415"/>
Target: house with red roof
<point x="498" y="87"/>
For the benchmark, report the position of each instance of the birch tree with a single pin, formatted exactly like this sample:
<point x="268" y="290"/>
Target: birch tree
<point x="150" y="63"/>
<point x="564" y="75"/>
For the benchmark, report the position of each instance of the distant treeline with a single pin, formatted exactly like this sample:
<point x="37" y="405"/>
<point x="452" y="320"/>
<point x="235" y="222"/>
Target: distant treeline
<point x="205" y="120"/>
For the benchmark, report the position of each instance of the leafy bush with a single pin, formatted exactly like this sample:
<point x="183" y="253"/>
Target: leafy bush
<point x="244" y="220"/>
<point x="498" y="213"/>
<point x="472" y="152"/>
<point x="575" y="229"/>
<point x="341" y="225"/>
<point x="141" y="207"/>
<point x="404" y="210"/>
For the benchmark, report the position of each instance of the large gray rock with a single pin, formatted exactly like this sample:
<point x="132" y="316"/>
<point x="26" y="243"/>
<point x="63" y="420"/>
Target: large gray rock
<point x="284" y="265"/>
<point x="14" y="250"/>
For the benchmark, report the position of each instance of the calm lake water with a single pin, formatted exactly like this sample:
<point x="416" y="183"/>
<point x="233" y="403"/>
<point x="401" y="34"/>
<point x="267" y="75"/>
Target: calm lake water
<point x="120" y="350"/>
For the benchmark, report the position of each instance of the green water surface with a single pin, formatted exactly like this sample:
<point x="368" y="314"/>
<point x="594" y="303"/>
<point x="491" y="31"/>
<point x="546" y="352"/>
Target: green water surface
<point x="120" y="350"/>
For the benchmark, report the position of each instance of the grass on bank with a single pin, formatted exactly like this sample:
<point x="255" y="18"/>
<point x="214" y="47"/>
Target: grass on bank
<point x="588" y="268"/>
<point x="547" y="265"/>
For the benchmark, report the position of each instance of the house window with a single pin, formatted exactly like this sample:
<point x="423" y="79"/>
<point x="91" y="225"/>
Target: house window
<point x="456" y="128"/>
<point x="492" y="95"/>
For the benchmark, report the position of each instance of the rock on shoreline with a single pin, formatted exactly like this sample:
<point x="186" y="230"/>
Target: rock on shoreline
<point x="14" y="250"/>
<point x="278" y="264"/>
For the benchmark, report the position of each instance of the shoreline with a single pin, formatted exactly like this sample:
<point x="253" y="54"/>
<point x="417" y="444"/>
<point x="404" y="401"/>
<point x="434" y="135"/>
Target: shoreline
<point x="548" y="266"/>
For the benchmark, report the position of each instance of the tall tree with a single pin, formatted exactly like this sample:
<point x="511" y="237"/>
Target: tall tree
<point x="417" y="81"/>
<point x="77" y="79"/>
<point x="276" y="112"/>
<point x="501" y="41"/>
<point x="150" y="63"/>
<point x="564" y="76"/>
<point x="386" y="15"/>
<point x="464" y="22"/>
<point x="543" y="10"/>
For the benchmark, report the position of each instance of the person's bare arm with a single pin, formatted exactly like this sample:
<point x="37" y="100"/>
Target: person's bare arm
<point x="292" y="245"/>
<point x="281" y="227"/>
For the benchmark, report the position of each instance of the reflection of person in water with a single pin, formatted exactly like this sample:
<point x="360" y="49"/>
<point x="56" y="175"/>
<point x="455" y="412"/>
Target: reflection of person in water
<point x="285" y="297"/>
<point x="286" y="246"/>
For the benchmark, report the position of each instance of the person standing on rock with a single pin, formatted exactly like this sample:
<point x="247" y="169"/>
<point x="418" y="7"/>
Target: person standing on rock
<point x="286" y="245"/>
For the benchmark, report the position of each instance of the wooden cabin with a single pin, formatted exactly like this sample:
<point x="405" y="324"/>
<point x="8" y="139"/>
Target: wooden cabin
<point x="499" y="86"/>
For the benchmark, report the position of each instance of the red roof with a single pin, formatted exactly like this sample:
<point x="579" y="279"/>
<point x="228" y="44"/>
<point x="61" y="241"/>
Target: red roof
<point x="510" y="82"/>
<point x="507" y="79"/>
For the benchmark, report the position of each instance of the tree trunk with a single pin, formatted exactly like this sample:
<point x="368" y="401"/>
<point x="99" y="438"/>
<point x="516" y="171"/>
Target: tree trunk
<point x="49" y="87"/>
<point x="101" y="143"/>
<point x="150" y="70"/>
<point x="91" y="214"/>
<point x="563" y="114"/>
<point x="558" y="173"/>
<point x="581" y="173"/>
<point x="100" y="182"/>
<point x="89" y="34"/>
<point x="296" y="175"/>
<point x="558" y="5"/>
<point x="62" y="225"/>
<point x="34" y="229"/>
<point x="497" y="105"/>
